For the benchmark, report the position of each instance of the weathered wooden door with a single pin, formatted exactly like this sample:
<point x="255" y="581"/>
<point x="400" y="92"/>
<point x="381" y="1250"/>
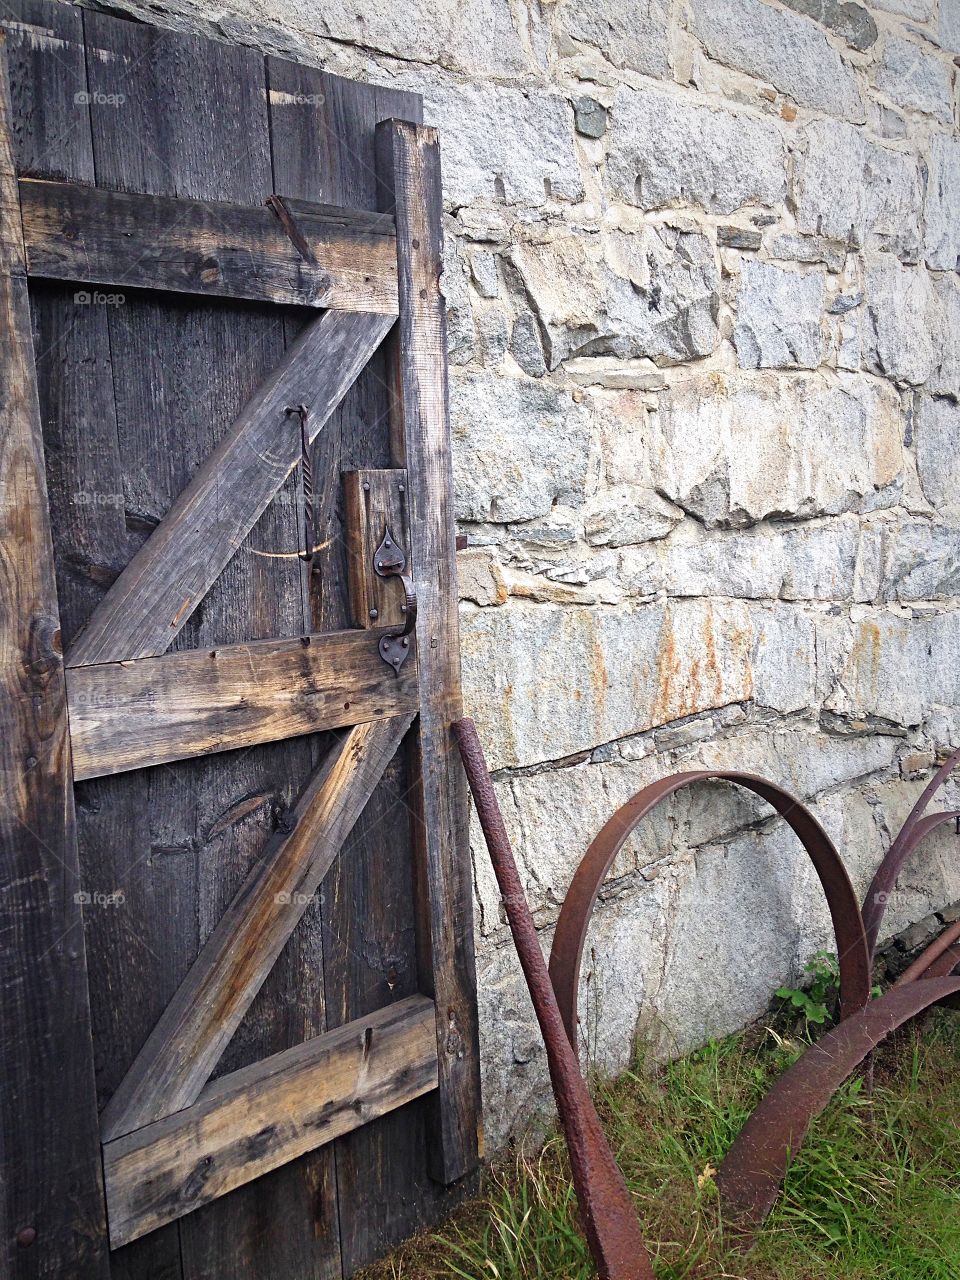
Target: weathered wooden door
<point x="236" y="978"/>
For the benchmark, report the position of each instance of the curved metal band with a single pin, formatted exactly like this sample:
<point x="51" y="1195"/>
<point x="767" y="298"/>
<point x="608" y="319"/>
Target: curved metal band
<point x="938" y="960"/>
<point x="571" y="932"/>
<point x="911" y="833"/>
<point x="750" y="1177"/>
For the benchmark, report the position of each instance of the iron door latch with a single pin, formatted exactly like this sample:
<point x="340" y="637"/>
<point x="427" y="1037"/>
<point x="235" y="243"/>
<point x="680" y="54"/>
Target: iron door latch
<point x="389" y="561"/>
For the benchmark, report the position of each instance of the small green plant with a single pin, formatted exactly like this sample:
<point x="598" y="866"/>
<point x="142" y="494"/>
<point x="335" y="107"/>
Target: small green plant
<point x="814" y="1000"/>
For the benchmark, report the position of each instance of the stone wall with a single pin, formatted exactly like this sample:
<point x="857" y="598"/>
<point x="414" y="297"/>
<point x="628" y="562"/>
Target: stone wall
<point x="705" y="343"/>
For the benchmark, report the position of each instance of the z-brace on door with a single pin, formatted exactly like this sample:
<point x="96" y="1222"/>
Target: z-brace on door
<point x="236" y="974"/>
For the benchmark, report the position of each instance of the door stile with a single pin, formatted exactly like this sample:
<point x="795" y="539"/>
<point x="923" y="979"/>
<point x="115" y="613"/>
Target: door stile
<point x="53" y="1212"/>
<point x="408" y="169"/>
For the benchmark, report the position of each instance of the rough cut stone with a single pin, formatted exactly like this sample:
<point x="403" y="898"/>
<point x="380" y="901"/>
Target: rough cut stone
<point x="480" y="577"/>
<point x="938" y="452"/>
<point x="837" y="561"/>
<point x="590" y="117"/>
<point x="949" y="30"/>
<point x="739" y="238"/>
<point x="564" y="283"/>
<point x="516" y="1083"/>
<point x="483" y="268"/>
<point x="662" y="294"/>
<point x="779" y="318"/>
<point x="792" y="247"/>
<point x="461" y="331"/>
<point x="622" y="417"/>
<point x="945" y="379"/>
<point x="470" y="35"/>
<point x="666" y="149"/>
<point x="942" y="238"/>
<point x="896" y="667"/>
<point x="784" y="659"/>
<point x="492" y="337"/>
<point x="849" y="21"/>
<point x="922" y="562"/>
<point x="635" y="36"/>
<point x="518" y="446"/>
<point x="614" y="374"/>
<point x="544" y="683"/>
<point x="920" y="10"/>
<point x="904" y="332"/>
<point x="733" y="450"/>
<point x="855" y="191"/>
<point x="654" y="293"/>
<point x="500" y="143"/>
<point x="914" y="79"/>
<point x="525" y="345"/>
<point x="628" y="515"/>
<point x="792" y="53"/>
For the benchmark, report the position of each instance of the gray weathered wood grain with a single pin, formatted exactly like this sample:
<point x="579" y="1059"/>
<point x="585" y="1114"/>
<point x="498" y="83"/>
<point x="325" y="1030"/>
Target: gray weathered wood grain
<point x="157" y="592"/>
<point x="187" y="1042"/>
<point x="408" y="165"/>
<point x="123" y="240"/>
<point x="52" y="1195"/>
<point x="264" y="1115"/>
<point x="125" y="715"/>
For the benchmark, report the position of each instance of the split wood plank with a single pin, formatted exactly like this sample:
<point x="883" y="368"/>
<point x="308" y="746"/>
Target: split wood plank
<point x="408" y="168"/>
<point x="155" y="595"/>
<point x="262" y="1116"/>
<point x="375" y="502"/>
<point x="125" y="240"/>
<point x="52" y="1195"/>
<point x="186" y="1044"/>
<point x="126" y="715"/>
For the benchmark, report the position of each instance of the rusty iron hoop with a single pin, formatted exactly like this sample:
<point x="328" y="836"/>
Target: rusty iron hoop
<point x="750" y="1177"/>
<point x="574" y="922"/>
<point x="914" y="830"/>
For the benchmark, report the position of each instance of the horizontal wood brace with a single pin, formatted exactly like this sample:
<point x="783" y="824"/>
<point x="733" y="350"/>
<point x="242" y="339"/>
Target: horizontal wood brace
<point x="148" y="711"/>
<point x="256" y="1119"/>
<point x="336" y="258"/>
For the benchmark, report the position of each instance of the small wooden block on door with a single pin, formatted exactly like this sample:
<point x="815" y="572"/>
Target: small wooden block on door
<point x="375" y="502"/>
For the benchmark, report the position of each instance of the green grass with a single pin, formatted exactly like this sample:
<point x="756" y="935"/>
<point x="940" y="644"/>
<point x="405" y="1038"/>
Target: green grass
<point x="874" y="1194"/>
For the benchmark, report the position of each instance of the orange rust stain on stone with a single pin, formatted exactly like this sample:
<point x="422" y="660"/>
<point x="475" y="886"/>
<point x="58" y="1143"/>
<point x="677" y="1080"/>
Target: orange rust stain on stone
<point x="599" y="676"/>
<point x="865" y="650"/>
<point x="668" y="669"/>
<point x="690" y="678"/>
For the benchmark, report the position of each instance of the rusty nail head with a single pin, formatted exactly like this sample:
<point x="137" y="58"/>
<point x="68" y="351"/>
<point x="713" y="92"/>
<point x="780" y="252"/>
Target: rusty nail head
<point x="26" y="1237"/>
<point x="374" y="613"/>
<point x="402" y="488"/>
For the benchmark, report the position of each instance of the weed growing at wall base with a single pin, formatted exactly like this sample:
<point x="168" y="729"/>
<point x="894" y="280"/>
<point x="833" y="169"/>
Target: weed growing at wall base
<point x="873" y="1195"/>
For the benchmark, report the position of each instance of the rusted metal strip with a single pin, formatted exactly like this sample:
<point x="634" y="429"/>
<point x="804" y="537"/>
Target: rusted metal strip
<point x="938" y="960"/>
<point x="750" y="1177"/>
<point x="911" y="833"/>
<point x="607" y="1210"/>
<point x="574" y="921"/>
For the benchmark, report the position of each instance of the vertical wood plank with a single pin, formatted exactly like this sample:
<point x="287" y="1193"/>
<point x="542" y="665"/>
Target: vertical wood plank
<point x="375" y="503"/>
<point x="408" y="165"/>
<point x="183" y="371"/>
<point x="53" y="1215"/>
<point x="324" y="150"/>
